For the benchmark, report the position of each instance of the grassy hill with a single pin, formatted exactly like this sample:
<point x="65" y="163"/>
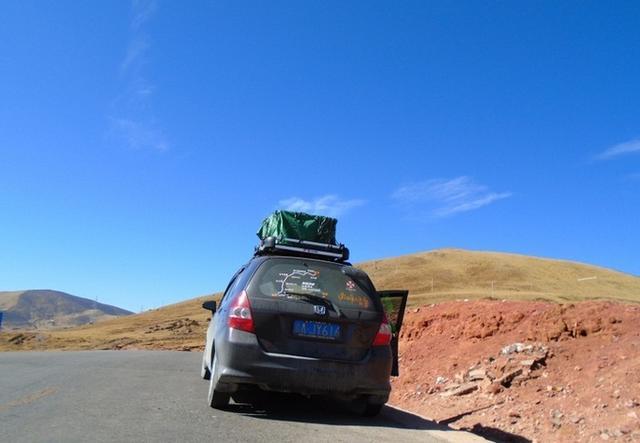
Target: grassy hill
<point x="456" y="274"/>
<point x="447" y="274"/>
<point x="179" y="326"/>
<point x="44" y="308"/>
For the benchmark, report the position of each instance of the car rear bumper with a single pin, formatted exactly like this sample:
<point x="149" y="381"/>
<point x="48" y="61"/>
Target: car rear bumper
<point x="242" y="361"/>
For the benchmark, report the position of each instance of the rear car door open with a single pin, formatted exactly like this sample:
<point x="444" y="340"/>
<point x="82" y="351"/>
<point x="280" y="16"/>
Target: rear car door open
<point x="394" y="303"/>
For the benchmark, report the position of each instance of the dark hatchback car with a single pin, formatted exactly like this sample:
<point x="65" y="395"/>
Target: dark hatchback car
<point x="303" y="325"/>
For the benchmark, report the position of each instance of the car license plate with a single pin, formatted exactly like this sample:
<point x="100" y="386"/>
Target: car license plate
<point x="316" y="329"/>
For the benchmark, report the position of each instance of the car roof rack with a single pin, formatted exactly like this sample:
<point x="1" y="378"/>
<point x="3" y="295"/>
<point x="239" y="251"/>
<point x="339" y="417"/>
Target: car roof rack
<point x="302" y="248"/>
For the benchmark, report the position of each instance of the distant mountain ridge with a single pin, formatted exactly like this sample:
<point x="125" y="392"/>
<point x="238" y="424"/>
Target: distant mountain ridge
<point x="46" y="308"/>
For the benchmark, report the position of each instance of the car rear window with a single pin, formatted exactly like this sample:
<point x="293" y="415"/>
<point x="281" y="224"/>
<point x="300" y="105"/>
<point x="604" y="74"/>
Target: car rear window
<point x="297" y="279"/>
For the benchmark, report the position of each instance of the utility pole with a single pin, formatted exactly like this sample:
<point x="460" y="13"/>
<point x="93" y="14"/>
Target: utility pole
<point x="431" y="284"/>
<point x="491" y="288"/>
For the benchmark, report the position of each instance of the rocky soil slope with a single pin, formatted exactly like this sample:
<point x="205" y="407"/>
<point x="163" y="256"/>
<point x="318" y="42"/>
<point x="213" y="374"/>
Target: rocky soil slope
<point x="519" y="371"/>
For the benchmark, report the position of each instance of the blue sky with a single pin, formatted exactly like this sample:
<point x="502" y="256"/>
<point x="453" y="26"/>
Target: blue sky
<point x="142" y="143"/>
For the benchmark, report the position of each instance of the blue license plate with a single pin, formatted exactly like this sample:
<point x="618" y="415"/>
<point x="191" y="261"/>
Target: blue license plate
<point x="316" y="329"/>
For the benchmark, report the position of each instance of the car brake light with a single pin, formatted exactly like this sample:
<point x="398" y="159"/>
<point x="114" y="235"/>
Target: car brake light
<point x="383" y="336"/>
<point x="240" y="314"/>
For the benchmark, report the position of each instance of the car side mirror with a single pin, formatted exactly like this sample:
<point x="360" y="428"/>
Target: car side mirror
<point x="210" y="306"/>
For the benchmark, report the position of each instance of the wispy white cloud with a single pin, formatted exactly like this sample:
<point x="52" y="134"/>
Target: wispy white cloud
<point x="445" y="197"/>
<point x="140" y="135"/>
<point x="132" y="119"/>
<point x="141" y="12"/>
<point x="135" y="54"/>
<point x="330" y="205"/>
<point x="628" y="147"/>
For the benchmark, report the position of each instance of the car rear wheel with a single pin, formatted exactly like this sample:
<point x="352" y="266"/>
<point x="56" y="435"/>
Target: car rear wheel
<point x="204" y="371"/>
<point x="372" y="409"/>
<point x="216" y="399"/>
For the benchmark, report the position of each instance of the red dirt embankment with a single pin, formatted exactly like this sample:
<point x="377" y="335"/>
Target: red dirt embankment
<point x="534" y="370"/>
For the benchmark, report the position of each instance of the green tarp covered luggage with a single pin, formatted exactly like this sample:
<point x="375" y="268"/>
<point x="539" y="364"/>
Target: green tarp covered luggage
<point x="299" y="226"/>
<point x="297" y="233"/>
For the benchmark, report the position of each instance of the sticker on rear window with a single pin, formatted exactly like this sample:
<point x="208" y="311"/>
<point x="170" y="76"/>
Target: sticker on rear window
<point x="291" y="279"/>
<point x="351" y="286"/>
<point x="298" y="280"/>
<point x="355" y="299"/>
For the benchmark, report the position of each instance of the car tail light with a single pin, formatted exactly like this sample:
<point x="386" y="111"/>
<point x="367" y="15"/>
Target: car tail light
<point x="240" y="314"/>
<point x="383" y="336"/>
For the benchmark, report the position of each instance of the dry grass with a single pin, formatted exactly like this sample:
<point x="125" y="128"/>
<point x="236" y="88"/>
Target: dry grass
<point x="8" y="299"/>
<point x="469" y="274"/>
<point x="456" y="274"/>
<point x="40" y="309"/>
<point x="180" y="326"/>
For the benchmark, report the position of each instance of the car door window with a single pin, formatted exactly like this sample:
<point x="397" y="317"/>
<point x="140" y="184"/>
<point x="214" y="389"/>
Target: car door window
<point x="230" y="288"/>
<point x="394" y="303"/>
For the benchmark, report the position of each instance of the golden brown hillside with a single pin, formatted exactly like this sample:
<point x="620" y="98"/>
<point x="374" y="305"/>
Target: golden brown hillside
<point x="456" y="274"/>
<point x="40" y="309"/>
<point x="447" y="274"/>
<point x="179" y="326"/>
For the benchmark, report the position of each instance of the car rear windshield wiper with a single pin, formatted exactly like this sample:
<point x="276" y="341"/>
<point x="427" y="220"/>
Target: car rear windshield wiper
<point x="322" y="300"/>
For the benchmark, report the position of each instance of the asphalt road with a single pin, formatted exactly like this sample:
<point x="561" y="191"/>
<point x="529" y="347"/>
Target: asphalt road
<point x="138" y="396"/>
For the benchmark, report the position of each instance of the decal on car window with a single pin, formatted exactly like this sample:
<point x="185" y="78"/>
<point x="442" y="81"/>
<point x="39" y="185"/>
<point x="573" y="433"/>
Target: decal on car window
<point x="292" y="280"/>
<point x="351" y="286"/>
<point x="355" y="299"/>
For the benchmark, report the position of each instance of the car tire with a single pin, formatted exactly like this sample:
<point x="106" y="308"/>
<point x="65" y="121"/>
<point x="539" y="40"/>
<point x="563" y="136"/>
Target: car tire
<point x="204" y="371"/>
<point x="372" y="409"/>
<point x="216" y="399"/>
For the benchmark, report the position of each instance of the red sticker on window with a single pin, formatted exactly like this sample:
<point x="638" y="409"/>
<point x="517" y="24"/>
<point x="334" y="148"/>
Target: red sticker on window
<point x="351" y="285"/>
